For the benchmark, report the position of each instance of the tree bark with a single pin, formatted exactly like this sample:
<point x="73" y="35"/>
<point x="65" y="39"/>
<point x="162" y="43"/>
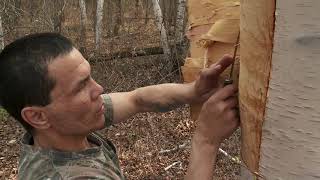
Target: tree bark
<point x="98" y="28"/>
<point x="180" y="25"/>
<point x="290" y="147"/>
<point x="1" y="35"/>
<point x="279" y="88"/>
<point x="83" y="25"/>
<point x="162" y="29"/>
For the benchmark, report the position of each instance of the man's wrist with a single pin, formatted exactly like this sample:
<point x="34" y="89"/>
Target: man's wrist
<point x="201" y="140"/>
<point x="192" y="94"/>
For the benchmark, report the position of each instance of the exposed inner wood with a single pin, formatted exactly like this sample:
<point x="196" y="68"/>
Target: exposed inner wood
<point x="213" y="21"/>
<point x="256" y="31"/>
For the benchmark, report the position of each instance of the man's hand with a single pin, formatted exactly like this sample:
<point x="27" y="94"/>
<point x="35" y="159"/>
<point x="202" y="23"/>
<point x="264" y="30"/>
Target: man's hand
<point x="208" y="81"/>
<point x="217" y="121"/>
<point x="218" y="118"/>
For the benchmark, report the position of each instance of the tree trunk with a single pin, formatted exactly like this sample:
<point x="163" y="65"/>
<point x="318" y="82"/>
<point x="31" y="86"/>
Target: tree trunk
<point x="98" y="28"/>
<point x="290" y="147"/>
<point x="180" y="25"/>
<point x="162" y="29"/>
<point x="58" y="15"/>
<point x="146" y="6"/>
<point x="1" y="35"/>
<point x="117" y="18"/>
<point x="280" y="114"/>
<point x="83" y="25"/>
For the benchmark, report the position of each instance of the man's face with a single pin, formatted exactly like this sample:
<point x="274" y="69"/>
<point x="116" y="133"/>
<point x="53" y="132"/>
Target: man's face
<point x="76" y="107"/>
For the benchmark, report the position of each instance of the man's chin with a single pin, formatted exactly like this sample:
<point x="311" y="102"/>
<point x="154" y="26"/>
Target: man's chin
<point x="100" y="122"/>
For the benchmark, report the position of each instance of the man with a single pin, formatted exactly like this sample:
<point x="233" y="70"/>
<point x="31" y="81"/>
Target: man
<point x="45" y="84"/>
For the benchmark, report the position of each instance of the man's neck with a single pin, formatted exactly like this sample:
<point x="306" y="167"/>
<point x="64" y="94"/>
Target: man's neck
<point x="61" y="143"/>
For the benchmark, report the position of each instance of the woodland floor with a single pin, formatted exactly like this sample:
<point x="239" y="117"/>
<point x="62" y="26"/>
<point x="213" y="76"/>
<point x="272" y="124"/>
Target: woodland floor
<point x="142" y="137"/>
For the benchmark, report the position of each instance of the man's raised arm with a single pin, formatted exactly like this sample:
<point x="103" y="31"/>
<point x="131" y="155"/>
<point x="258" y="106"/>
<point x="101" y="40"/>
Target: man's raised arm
<point x="165" y="97"/>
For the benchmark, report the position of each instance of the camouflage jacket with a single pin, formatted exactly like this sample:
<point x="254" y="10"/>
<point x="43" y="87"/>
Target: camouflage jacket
<point x="99" y="162"/>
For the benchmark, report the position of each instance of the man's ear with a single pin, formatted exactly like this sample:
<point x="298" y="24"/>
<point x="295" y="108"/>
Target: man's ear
<point x="36" y="117"/>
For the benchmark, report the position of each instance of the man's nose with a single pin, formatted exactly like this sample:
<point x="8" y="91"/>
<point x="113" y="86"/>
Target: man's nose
<point x="98" y="90"/>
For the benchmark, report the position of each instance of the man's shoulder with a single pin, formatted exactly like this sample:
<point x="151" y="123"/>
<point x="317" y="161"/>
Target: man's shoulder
<point x="37" y="163"/>
<point x="37" y="166"/>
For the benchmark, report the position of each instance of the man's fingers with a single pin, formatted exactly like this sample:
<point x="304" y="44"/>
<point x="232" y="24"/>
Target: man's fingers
<point x="223" y="63"/>
<point x="224" y="93"/>
<point x="231" y="103"/>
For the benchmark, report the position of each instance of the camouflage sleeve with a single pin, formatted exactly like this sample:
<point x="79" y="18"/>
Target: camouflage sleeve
<point x="108" y="114"/>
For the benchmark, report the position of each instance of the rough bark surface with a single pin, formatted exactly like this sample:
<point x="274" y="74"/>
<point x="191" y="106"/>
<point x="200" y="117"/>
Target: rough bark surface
<point x="257" y="27"/>
<point x="180" y="20"/>
<point x="290" y="146"/>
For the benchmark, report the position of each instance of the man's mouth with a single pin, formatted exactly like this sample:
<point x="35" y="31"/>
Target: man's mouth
<point x="101" y="110"/>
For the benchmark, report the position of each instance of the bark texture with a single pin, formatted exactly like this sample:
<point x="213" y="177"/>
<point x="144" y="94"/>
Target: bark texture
<point x="257" y="27"/>
<point x="290" y="146"/>
<point x="180" y="20"/>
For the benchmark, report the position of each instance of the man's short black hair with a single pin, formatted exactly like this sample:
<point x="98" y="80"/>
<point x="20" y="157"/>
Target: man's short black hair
<point x="24" y="79"/>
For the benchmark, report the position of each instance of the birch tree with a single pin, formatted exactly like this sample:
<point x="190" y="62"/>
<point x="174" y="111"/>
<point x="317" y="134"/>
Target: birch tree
<point x="1" y="35"/>
<point x="98" y="28"/>
<point x="117" y="18"/>
<point x="180" y="25"/>
<point x="290" y="142"/>
<point x="83" y="25"/>
<point x="58" y="14"/>
<point x="161" y="26"/>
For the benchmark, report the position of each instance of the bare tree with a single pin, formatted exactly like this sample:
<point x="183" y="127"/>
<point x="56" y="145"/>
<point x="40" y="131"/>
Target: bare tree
<point x="117" y="18"/>
<point x="98" y="28"/>
<point x="83" y="25"/>
<point x="58" y="15"/>
<point x="180" y="22"/>
<point x="1" y="35"/>
<point x="162" y="29"/>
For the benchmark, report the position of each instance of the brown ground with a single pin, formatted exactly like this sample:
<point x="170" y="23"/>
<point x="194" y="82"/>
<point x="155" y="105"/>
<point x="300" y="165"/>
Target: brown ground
<point x="141" y="138"/>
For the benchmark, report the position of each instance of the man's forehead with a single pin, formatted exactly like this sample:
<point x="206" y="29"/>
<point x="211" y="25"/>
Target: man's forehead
<point x="66" y="63"/>
<point x="68" y="69"/>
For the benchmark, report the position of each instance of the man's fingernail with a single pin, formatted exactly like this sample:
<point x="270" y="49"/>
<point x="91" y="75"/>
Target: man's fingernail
<point x="217" y="66"/>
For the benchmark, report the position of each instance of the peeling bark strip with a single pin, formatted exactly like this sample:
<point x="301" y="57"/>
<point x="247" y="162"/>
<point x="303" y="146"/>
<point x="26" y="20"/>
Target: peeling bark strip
<point x="290" y="147"/>
<point x="210" y="22"/>
<point x="99" y="23"/>
<point x="256" y="31"/>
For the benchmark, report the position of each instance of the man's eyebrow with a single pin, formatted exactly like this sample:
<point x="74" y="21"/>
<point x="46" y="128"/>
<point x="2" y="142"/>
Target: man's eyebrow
<point x="81" y="82"/>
